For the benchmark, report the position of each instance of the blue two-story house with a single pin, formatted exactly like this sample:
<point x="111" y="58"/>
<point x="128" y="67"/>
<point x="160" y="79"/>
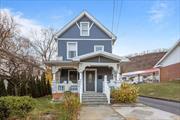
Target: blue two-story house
<point x="85" y="62"/>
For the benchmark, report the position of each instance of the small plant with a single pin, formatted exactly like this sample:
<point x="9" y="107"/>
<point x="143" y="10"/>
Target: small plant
<point x="71" y="106"/>
<point x="15" y="106"/>
<point x="127" y="93"/>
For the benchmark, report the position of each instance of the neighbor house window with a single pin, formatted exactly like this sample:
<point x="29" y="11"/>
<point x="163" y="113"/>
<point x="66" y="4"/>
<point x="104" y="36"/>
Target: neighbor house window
<point x="98" y="48"/>
<point x="84" y="28"/>
<point x="71" y="49"/>
<point x="73" y="76"/>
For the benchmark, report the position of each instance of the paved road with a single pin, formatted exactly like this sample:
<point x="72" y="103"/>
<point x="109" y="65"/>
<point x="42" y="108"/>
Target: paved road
<point x="172" y="107"/>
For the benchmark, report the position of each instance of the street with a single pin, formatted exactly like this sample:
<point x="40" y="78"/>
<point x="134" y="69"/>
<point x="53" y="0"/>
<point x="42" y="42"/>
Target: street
<point x="173" y="107"/>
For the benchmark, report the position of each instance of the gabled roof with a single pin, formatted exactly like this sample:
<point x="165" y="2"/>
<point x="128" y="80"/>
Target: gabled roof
<point x="168" y="53"/>
<point x="85" y="13"/>
<point x="104" y="54"/>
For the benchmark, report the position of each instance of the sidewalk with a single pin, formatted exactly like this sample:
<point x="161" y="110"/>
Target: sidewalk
<point x="143" y="112"/>
<point x="99" y="112"/>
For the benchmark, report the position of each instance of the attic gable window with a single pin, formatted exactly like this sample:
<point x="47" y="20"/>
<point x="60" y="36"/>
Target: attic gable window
<point x="84" y="28"/>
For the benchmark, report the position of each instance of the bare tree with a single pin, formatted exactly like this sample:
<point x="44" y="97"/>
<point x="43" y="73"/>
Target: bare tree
<point x="43" y="43"/>
<point x="14" y="53"/>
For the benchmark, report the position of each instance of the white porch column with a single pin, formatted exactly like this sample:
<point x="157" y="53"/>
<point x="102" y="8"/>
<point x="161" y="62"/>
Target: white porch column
<point x="80" y="70"/>
<point x="54" y="84"/>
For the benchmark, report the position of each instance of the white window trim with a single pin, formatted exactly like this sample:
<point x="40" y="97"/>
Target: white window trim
<point x="98" y="46"/>
<point x="69" y="75"/>
<point x="67" y="46"/>
<point x="81" y="28"/>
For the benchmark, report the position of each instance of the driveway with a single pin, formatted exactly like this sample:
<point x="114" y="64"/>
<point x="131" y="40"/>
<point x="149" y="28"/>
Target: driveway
<point x="173" y="107"/>
<point x="143" y="112"/>
<point x="99" y="112"/>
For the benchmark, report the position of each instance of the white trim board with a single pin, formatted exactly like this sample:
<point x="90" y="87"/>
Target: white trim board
<point x="89" y="69"/>
<point x="81" y="39"/>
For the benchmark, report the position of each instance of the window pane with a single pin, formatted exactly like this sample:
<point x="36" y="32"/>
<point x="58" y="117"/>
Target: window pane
<point x="72" y="54"/>
<point x="98" y="48"/>
<point x="84" y="32"/>
<point x="72" y="46"/>
<point x="73" y="76"/>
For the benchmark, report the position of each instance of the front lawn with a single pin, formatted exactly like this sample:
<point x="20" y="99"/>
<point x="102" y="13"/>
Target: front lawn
<point x="46" y="108"/>
<point x="168" y="90"/>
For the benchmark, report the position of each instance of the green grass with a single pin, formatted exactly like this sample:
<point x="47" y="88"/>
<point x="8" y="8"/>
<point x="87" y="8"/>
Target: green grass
<point x="169" y="90"/>
<point x="45" y="106"/>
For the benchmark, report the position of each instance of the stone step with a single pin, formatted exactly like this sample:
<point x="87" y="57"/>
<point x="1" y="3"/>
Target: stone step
<point x="98" y="95"/>
<point x="95" y="103"/>
<point x="89" y="97"/>
<point x="94" y="100"/>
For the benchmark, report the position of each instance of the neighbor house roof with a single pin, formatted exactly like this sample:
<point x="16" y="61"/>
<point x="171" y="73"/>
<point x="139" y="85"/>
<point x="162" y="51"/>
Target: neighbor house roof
<point x="104" y="54"/>
<point x="85" y="13"/>
<point x="168" y="53"/>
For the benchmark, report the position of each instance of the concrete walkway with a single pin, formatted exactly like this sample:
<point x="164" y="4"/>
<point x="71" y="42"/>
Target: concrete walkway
<point x="143" y="112"/>
<point x="99" y="112"/>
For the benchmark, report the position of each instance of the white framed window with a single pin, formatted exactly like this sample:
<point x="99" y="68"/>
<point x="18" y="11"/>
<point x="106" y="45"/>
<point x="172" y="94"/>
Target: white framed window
<point x="98" y="48"/>
<point x="84" y="28"/>
<point x="71" y="50"/>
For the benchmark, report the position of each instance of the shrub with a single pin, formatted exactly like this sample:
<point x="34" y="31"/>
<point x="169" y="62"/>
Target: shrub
<point x="15" y="106"/>
<point x="71" y="106"/>
<point x="127" y="93"/>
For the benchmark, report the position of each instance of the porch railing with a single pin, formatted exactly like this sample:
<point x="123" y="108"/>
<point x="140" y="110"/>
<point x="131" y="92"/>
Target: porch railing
<point x="106" y="89"/>
<point x="62" y="87"/>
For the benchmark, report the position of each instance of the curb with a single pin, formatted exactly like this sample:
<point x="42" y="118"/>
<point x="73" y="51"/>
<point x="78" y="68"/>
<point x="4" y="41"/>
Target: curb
<point x="169" y="100"/>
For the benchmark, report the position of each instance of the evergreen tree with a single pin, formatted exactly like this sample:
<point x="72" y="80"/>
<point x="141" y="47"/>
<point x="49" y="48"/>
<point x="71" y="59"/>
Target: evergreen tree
<point x="39" y="87"/>
<point x="43" y="84"/>
<point x="49" y="88"/>
<point x="10" y="89"/>
<point x="2" y="88"/>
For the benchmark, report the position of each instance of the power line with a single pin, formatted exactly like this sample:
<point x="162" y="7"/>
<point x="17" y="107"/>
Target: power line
<point x="113" y="15"/>
<point x="119" y="15"/>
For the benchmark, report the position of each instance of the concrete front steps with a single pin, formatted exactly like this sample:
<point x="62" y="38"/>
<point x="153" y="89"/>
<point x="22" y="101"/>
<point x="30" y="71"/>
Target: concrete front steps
<point x="93" y="98"/>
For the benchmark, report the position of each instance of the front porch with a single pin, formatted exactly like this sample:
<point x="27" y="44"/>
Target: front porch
<point x="77" y="80"/>
<point x="95" y="72"/>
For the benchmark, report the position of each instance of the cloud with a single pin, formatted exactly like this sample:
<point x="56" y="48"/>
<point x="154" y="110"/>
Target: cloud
<point x="159" y="11"/>
<point x="25" y="25"/>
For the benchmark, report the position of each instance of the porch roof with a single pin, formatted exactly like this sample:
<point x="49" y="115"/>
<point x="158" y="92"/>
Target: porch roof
<point x="99" y="53"/>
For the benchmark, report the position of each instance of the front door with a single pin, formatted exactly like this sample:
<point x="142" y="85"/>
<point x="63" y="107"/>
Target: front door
<point x="90" y="80"/>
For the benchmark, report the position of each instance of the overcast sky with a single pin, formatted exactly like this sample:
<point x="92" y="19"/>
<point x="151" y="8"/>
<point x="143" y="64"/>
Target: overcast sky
<point x="139" y="25"/>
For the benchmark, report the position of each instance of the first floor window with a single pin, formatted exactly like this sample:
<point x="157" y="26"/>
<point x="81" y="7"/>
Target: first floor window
<point x="71" y="50"/>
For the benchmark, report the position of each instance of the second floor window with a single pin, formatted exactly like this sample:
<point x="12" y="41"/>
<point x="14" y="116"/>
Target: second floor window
<point x="71" y="49"/>
<point x="84" y="28"/>
<point x="98" y="48"/>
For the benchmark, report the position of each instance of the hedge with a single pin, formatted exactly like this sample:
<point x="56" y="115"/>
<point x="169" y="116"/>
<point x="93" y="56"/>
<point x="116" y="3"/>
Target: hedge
<point x="15" y="106"/>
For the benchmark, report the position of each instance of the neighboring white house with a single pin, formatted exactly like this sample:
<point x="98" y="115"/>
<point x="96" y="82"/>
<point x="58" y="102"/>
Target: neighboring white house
<point x="170" y="64"/>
